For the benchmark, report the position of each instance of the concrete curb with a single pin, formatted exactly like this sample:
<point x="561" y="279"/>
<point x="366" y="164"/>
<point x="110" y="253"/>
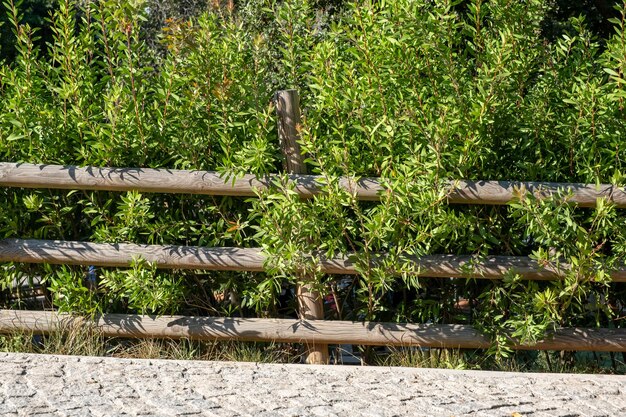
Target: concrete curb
<point x="47" y="385"/>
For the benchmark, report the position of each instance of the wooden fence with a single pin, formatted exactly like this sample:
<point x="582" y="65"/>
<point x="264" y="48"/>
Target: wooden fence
<point x="310" y="329"/>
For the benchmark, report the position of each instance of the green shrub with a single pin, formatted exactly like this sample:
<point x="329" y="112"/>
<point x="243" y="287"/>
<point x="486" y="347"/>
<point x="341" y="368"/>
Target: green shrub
<point x="418" y="93"/>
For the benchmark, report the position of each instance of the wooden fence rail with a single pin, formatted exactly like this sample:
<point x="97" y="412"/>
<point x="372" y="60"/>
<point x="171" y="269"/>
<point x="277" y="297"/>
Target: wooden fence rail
<point x="212" y="183"/>
<point x="252" y="259"/>
<point x="303" y="331"/>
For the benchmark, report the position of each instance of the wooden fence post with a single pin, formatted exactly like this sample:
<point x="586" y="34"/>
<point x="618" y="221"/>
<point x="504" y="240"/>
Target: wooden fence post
<point x="310" y="302"/>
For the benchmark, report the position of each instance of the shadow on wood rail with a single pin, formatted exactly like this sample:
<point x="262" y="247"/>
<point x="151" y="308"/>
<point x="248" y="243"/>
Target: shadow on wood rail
<point x="212" y="183"/>
<point x="302" y="331"/>
<point x="253" y="259"/>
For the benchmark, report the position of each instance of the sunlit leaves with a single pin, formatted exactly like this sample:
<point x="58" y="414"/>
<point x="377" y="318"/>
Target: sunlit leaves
<point x="417" y="93"/>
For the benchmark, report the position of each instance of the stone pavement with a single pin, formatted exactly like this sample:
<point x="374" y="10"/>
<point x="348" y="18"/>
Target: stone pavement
<point x="43" y="385"/>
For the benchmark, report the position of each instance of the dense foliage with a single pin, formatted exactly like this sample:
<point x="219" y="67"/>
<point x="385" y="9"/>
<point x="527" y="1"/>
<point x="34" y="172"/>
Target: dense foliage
<point x="415" y="92"/>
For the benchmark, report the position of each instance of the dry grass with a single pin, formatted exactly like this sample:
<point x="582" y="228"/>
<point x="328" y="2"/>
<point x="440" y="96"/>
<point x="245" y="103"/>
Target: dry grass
<point x="425" y="358"/>
<point x="69" y="339"/>
<point x="75" y="339"/>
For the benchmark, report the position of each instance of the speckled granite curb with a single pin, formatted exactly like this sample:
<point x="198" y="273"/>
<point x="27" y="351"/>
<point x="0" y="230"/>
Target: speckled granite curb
<point x="43" y="385"/>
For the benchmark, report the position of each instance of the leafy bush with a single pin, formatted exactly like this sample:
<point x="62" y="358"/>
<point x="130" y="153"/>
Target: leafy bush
<point x="418" y="93"/>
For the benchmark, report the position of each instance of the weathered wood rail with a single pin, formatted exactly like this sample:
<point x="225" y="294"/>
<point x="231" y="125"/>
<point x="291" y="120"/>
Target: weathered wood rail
<point x="303" y="331"/>
<point x="212" y="183"/>
<point x="252" y="259"/>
